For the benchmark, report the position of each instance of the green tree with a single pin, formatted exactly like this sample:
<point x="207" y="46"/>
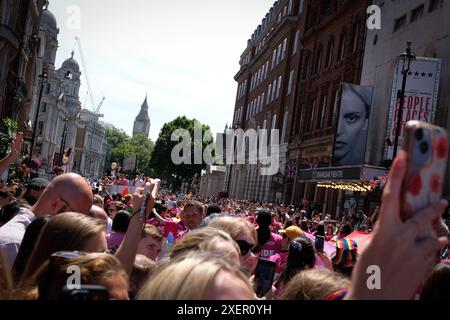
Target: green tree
<point x="116" y="136"/>
<point x="161" y="161"/>
<point x="125" y="146"/>
<point x="8" y="130"/>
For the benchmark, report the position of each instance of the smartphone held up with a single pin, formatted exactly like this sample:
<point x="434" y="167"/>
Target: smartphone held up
<point x="426" y="146"/>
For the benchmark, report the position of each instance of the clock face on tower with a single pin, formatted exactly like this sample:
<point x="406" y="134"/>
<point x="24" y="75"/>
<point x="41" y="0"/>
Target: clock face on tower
<point x="139" y="126"/>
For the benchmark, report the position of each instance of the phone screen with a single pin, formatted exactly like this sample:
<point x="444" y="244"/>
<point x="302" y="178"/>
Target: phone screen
<point x="264" y="276"/>
<point x="319" y="243"/>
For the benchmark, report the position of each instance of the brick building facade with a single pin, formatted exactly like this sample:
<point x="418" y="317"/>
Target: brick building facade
<point x="333" y="48"/>
<point x="265" y="96"/>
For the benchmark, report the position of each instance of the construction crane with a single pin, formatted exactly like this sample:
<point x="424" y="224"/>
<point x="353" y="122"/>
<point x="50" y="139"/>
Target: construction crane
<point x="95" y="108"/>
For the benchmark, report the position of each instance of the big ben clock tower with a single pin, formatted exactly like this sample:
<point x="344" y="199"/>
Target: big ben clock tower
<point x="142" y="121"/>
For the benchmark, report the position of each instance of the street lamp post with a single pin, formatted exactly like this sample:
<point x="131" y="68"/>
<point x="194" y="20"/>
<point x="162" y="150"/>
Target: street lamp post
<point x="407" y="57"/>
<point x="63" y="142"/>
<point x="43" y="78"/>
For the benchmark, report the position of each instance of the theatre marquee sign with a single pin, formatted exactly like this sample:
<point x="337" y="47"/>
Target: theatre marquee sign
<point x="350" y="173"/>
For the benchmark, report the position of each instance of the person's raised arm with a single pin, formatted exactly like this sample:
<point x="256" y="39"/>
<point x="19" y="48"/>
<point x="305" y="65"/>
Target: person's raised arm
<point x="398" y="258"/>
<point x="13" y="155"/>
<point x="160" y="219"/>
<point x="128" y="249"/>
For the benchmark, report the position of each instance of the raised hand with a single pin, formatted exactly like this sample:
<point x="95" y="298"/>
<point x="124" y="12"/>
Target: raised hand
<point x="16" y="145"/>
<point x="398" y="249"/>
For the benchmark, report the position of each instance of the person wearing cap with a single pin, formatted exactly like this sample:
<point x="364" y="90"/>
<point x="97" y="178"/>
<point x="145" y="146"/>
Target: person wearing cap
<point x="344" y="259"/>
<point x="34" y="190"/>
<point x="288" y="234"/>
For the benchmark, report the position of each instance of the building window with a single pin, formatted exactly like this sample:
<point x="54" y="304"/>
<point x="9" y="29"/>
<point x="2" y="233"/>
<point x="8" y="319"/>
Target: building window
<point x="284" y="11"/>
<point x="355" y="37"/>
<point x="40" y="127"/>
<point x="342" y="45"/>
<point x="47" y="88"/>
<point x="280" y="47"/>
<point x="284" y="49"/>
<point x="274" y="56"/>
<point x="332" y="110"/>
<point x="279" y="86"/>
<point x="44" y="107"/>
<point x="300" y="7"/>
<point x="289" y="7"/>
<point x="319" y="60"/>
<point x="323" y="109"/>
<point x="291" y="78"/>
<point x="417" y="13"/>
<point x="305" y="66"/>
<point x="269" y="91"/>
<point x="274" y="88"/>
<point x="311" y="125"/>
<point x="267" y="69"/>
<point x="400" y="23"/>
<point x="330" y="50"/>
<point x="296" y="40"/>
<point x="435" y="4"/>
<point x="262" y="100"/>
<point x="283" y="130"/>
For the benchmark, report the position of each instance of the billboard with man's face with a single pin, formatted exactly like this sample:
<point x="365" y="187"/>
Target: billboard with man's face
<point x="352" y="124"/>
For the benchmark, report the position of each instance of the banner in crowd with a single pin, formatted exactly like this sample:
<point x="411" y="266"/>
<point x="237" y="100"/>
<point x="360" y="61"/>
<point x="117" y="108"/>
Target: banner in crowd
<point x="129" y="164"/>
<point x="421" y="90"/>
<point x="354" y="107"/>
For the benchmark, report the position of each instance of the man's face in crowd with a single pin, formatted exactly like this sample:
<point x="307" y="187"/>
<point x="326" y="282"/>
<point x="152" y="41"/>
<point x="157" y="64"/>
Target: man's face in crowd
<point x="5" y="199"/>
<point x="150" y="247"/>
<point x="192" y="217"/>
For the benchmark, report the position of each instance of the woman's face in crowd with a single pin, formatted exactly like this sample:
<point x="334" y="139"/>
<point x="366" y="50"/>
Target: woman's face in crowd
<point x="352" y="119"/>
<point x="149" y="247"/>
<point x="227" y="286"/>
<point x="249" y="261"/>
<point x="112" y="211"/>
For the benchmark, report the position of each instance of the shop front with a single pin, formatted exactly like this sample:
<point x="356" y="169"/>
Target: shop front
<point x="340" y="190"/>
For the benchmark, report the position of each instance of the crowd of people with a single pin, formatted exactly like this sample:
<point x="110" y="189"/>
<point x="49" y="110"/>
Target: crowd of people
<point x="154" y="244"/>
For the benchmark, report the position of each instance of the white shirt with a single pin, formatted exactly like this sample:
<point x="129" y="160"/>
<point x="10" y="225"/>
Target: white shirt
<point x="109" y="225"/>
<point x="11" y="234"/>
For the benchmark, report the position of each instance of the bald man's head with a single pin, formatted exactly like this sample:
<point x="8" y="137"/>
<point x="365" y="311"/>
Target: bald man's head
<point x="67" y="192"/>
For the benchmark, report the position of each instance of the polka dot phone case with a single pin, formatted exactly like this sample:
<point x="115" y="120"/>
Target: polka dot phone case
<point x="427" y="149"/>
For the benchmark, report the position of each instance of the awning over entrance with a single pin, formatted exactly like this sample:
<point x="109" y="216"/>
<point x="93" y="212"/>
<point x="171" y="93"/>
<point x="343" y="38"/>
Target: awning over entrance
<point x="353" y="178"/>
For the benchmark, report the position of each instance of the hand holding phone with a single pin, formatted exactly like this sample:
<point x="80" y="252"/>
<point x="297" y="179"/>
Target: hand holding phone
<point x="264" y="276"/>
<point x="426" y="146"/>
<point x="144" y="198"/>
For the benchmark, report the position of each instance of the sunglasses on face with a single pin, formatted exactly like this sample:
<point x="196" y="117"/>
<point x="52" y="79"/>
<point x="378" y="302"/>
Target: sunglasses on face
<point x="245" y="247"/>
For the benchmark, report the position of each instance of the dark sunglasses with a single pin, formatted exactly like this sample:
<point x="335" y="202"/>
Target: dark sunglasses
<point x="245" y="247"/>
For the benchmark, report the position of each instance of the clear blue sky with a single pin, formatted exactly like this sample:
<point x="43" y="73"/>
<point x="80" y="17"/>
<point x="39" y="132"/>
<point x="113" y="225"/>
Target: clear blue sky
<point x="183" y="53"/>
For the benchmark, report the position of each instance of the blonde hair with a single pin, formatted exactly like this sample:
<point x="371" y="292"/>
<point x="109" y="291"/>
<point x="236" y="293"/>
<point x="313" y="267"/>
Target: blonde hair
<point x="152" y="231"/>
<point x="98" y="201"/>
<point x="189" y="278"/>
<point x="313" y="284"/>
<point x="233" y="225"/>
<point x="203" y="239"/>
<point x="67" y="231"/>
<point x="50" y="278"/>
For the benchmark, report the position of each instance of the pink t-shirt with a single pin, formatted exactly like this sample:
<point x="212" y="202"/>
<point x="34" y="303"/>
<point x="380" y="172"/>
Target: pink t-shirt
<point x="274" y="245"/>
<point x="251" y="219"/>
<point x="170" y="226"/>
<point x="114" y="239"/>
<point x="281" y="260"/>
<point x="275" y="226"/>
